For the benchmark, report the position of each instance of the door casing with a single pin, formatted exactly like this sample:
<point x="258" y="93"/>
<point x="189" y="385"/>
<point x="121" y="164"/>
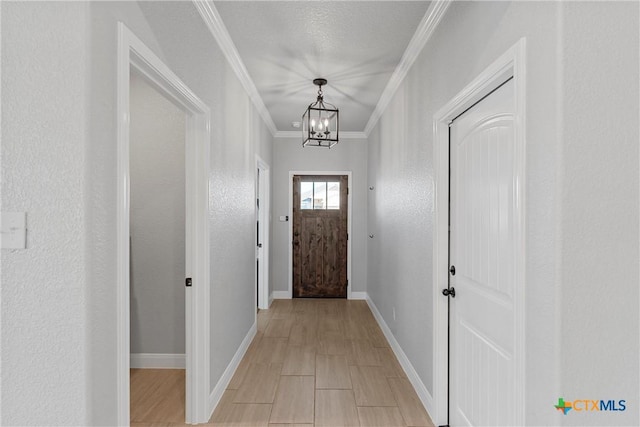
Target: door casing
<point x="350" y="209"/>
<point x="510" y="64"/>
<point x="133" y="54"/>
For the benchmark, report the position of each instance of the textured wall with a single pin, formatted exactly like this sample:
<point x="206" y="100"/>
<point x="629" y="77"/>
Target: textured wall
<point x="44" y="135"/>
<point x="599" y="223"/>
<point x="59" y="165"/>
<point x="348" y="155"/>
<point x="157" y="221"/>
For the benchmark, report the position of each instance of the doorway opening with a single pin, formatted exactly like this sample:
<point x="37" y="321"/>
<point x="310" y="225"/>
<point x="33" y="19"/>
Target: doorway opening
<point x="157" y="255"/>
<point x="479" y="248"/>
<point x="134" y="56"/>
<point x="263" y="191"/>
<point x="319" y="231"/>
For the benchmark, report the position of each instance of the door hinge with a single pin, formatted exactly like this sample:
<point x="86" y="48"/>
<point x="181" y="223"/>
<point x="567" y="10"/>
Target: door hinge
<point x="188" y="282"/>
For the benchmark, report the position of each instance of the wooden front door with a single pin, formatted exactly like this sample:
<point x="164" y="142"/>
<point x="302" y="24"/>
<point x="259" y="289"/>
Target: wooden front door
<point x="320" y="236"/>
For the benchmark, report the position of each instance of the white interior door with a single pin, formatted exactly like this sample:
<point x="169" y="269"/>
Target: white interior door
<point x="482" y="249"/>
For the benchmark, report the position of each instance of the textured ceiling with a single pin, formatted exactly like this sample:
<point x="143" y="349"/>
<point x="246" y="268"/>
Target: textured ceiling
<point x="356" y="45"/>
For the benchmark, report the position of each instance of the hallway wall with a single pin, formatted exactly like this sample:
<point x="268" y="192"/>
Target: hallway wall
<point x="599" y="222"/>
<point x="43" y="293"/>
<point x="348" y="155"/>
<point x="582" y="194"/>
<point x="59" y="165"/>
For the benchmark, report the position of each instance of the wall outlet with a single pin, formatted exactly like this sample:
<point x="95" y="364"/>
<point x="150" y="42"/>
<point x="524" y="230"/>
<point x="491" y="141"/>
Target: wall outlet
<point x="393" y="310"/>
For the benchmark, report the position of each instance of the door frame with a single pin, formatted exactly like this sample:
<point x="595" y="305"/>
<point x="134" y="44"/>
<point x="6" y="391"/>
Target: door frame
<point x="133" y="54"/>
<point x="349" y="213"/>
<point x="511" y="64"/>
<point x="263" y="183"/>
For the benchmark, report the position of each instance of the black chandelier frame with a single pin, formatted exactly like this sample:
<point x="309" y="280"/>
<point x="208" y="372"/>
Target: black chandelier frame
<point x="321" y="135"/>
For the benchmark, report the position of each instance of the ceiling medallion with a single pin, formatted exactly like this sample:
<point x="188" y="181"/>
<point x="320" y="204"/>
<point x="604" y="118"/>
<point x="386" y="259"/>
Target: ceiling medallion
<point x="320" y="121"/>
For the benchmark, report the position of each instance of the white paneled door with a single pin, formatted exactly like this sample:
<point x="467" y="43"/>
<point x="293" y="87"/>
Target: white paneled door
<point x="483" y="237"/>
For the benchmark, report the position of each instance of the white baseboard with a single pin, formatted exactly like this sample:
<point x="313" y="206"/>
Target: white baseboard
<point x="218" y="390"/>
<point x="358" y="295"/>
<point x="287" y="295"/>
<point x="281" y="295"/>
<point x="271" y="299"/>
<point x="412" y="375"/>
<point x="157" y="361"/>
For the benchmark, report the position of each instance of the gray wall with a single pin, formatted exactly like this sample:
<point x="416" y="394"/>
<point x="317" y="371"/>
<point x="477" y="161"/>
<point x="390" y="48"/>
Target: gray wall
<point x="157" y="167"/>
<point x="582" y="195"/>
<point x="598" y="210"/>
<point x="59" y="165"/>
<point x="44" y="140"/>
<point x="348" y="155"/>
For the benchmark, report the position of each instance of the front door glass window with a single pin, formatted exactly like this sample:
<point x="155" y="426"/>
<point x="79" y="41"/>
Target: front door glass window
<point x="320" y="195"/>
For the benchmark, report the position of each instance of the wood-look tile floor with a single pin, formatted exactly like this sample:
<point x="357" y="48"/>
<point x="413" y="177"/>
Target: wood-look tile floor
<point x="157" y="397"/>
<point x="317" y="363"/>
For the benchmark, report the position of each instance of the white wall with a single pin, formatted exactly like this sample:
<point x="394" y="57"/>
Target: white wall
<point x="44" y="140"/>
<point x="582" y="195"/>
<point x="59" y="165"/>
<point x="157" y="165"/>
<point x="599" y="208"/>
<point x="348" y="155"/>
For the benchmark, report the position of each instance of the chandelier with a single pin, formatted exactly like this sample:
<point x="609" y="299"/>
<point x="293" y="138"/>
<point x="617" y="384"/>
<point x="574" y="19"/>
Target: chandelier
<point x="320" y="121"/>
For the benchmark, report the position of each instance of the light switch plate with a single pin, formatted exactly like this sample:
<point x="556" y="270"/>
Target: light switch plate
<point x="14" y="230"/>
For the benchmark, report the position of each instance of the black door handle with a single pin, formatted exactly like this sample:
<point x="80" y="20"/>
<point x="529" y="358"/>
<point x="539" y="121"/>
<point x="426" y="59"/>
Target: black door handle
<point x="449" y="292"/>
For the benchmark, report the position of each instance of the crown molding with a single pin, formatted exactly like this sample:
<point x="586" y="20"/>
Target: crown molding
<point x="298" y="134"/>
<point x="214" y="22"/>
<point x="422" y="35"/>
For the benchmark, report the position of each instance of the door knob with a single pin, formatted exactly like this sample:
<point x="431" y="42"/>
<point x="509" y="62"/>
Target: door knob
<point x="449" y="292"/>
<point x="452" y="270"/>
